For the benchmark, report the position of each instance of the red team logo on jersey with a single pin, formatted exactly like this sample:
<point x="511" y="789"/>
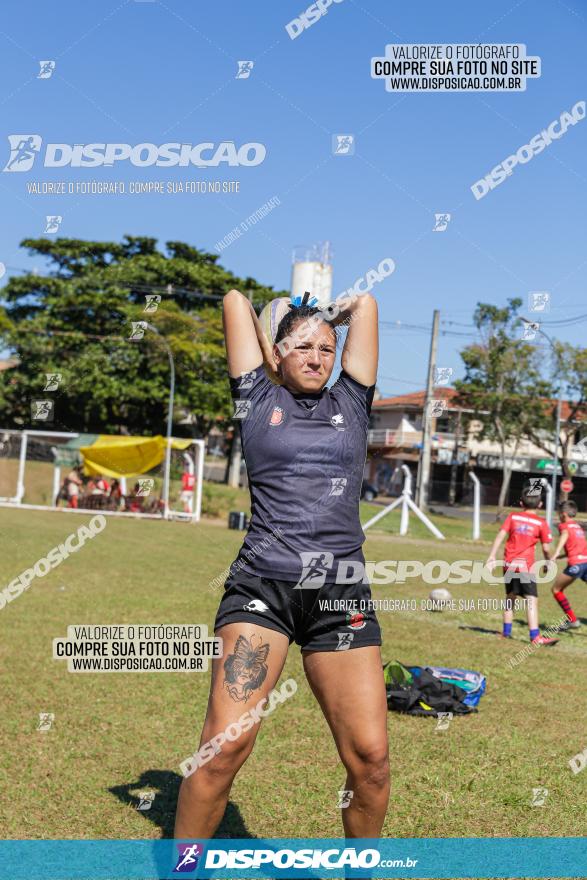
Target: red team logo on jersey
<point x="356" y="621"/>
<point x="276" y="416"/>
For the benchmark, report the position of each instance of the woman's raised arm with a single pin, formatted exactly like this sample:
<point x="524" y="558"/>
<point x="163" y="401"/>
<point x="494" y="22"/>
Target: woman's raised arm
<point x="361" y="349"/>
<point x="246" y="344"/>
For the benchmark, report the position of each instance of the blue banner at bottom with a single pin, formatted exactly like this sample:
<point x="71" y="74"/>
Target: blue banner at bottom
<point x="319" y="858"/>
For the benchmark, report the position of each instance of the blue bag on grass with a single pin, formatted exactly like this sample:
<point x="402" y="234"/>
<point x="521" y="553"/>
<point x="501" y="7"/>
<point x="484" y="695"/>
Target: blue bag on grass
<point x="472" y="682"/>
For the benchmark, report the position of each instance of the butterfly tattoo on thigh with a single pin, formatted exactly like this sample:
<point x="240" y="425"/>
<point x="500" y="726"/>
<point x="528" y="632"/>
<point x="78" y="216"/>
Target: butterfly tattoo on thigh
<point x="245" y="669"/>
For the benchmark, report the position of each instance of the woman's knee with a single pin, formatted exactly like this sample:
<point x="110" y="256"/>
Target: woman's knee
<point x="369" y="761"/>
<point x="216" y="760"/>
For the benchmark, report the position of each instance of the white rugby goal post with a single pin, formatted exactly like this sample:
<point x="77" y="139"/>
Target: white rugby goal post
<point x="32" y="468"/>
<point x="405" y="499"/>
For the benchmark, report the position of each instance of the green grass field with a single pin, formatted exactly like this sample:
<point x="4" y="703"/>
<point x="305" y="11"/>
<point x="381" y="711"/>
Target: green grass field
<point x="115" y="735"/>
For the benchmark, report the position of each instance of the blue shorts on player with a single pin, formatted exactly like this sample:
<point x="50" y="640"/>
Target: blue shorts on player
<point x="579" y="570"/>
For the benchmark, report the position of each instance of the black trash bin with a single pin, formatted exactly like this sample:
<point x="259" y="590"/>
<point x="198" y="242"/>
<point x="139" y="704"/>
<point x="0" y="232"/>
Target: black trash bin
<point x="237" y="520"/>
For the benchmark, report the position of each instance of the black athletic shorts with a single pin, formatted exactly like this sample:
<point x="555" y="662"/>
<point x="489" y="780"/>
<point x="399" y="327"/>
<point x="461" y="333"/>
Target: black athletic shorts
<point x="333" y="617"/>
<point x="520" y="584"/>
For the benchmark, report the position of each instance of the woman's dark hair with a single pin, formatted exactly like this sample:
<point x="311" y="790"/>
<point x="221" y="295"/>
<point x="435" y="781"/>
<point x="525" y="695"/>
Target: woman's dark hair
<point x="299" y="313"/>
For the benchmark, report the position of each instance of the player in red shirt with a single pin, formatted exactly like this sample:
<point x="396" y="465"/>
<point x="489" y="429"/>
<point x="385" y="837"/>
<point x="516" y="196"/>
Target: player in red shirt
<point x="572" y="542"/>
<point x="523" y="529"/>
<point x="188" y="481"/>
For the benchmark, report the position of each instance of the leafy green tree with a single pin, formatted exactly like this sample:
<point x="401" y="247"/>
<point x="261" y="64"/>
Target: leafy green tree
<point x="503" y="384"/>
<point x="77" y="320"/>
<point x="569" y="378"/>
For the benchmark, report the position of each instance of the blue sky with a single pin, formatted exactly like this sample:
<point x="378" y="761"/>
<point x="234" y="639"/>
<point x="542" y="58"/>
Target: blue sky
<point x="164" y="71"/>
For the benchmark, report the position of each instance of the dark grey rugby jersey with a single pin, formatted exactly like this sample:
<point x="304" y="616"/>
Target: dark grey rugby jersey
<point x="305" y="456"/>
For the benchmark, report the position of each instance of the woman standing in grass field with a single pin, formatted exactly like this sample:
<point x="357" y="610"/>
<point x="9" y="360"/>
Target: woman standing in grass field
<point x="305" y="448"/>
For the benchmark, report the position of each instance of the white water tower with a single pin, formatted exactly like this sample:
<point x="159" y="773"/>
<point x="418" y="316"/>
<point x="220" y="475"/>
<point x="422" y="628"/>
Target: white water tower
<point x="312" y="271"/>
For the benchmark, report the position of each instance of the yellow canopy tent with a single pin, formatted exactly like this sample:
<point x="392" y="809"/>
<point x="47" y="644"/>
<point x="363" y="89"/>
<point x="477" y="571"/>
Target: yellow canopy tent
<point x="118" y="456"/>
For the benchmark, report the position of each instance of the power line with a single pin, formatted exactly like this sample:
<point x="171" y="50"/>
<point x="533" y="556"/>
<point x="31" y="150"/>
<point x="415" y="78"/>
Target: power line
<point x="560" y="322"/>
<point x="565" y="322"/>
<point x="169" y="289"/>
<point x="401" y="381"/>
<point x="401" y="325"/>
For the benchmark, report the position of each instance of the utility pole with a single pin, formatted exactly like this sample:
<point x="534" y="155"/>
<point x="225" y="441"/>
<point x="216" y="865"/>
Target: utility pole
<point x="553" y="501"/>
<point x="422" y="482"/>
